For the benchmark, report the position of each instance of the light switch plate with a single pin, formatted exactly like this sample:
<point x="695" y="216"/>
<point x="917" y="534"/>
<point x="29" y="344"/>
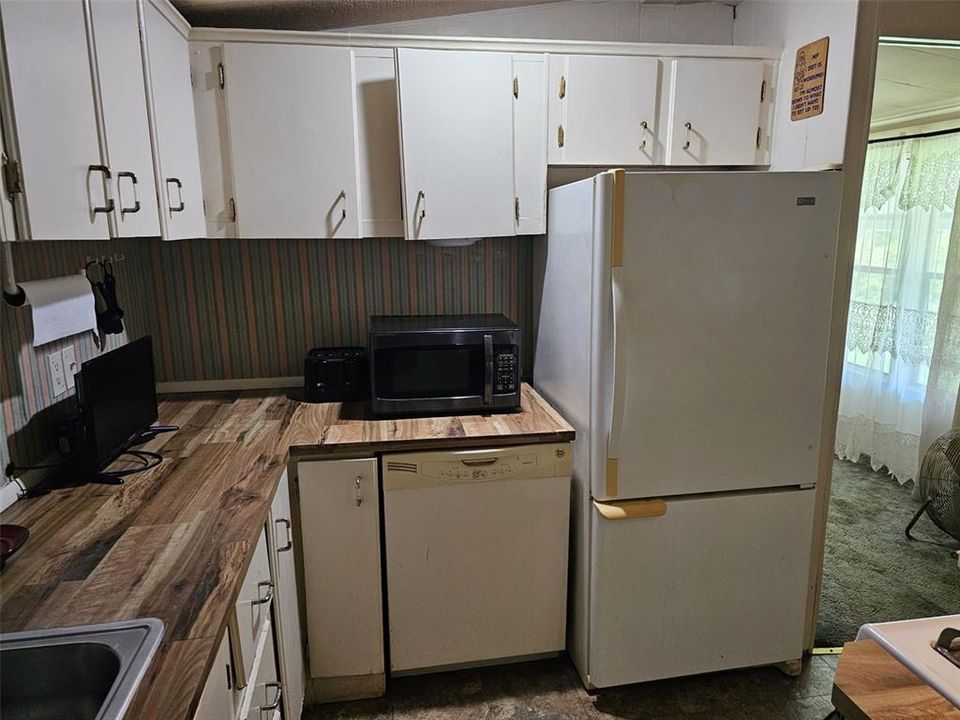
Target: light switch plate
<point x="70" y="366"/>
<point x="58" y="379"/>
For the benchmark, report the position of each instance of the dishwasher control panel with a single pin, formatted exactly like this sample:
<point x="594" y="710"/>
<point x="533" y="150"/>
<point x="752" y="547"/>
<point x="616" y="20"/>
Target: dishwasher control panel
<point x="438" y="468"/>
<point x="480" y="468"/>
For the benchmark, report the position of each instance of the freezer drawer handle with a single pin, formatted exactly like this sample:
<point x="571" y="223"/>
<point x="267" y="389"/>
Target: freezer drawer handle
<point x="631" y="509"/>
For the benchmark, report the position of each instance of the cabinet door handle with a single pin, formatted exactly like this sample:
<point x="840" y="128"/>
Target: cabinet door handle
<point x="286" y="524"/>
<point x="359" y="499"/>
<point x="689" y="129"/>
<point x="136" y="200"/>
<point x="176" y="181"/>
<point x="108" y="205"/>
<point x="263" y="599"/>
<point x="643" y="135"/>
<point x="422" y="203"/>
<point x="343" y="196"/>
<point x="276" y="700"/>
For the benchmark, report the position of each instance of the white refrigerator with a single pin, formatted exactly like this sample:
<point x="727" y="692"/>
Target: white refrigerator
<point x="682" y="328"/>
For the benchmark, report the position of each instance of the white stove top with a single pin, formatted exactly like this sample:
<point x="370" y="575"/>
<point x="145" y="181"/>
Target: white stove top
<point x="911" y="642"/>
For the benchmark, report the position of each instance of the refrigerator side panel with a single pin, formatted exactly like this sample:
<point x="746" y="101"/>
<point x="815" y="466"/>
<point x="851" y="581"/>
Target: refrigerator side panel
<point x="727" y="289"/>
<point x="562" y="365"/>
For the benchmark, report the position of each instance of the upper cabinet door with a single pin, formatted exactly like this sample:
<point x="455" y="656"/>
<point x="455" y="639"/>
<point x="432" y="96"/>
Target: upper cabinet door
<point x="290" y="110"/>
<point x="716" y="112"/>
<point x="529" y="142"/>
<point x="378" y="140"/>
<point x="605" y="110"/>
<point x="55" y="121"/>
<point x="178" y="160"/>
<point x="456" y="123"/>
<point x="116" y="29"/>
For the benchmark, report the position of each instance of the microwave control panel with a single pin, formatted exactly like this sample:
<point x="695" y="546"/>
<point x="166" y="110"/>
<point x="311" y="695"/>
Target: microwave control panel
<point x="506" y="372"/>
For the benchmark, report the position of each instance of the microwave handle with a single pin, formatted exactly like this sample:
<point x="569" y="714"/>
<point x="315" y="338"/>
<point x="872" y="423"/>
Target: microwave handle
<point x="488" y="369"/>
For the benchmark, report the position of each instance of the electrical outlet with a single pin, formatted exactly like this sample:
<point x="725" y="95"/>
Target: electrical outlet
<point x="70" y="366"/>
<point x="55" y="360"/>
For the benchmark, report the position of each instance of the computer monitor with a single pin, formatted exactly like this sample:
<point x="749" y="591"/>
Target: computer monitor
<point x="117" y="399"/>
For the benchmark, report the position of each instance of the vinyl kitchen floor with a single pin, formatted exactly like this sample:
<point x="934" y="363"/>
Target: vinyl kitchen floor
<point x="551" y="690"/>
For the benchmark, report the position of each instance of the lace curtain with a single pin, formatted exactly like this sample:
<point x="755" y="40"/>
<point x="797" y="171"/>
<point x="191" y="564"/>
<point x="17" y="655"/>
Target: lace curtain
<point x="902" y="364"/>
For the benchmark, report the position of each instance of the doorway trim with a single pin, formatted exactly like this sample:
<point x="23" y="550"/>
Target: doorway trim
<point x="913" y="19"/>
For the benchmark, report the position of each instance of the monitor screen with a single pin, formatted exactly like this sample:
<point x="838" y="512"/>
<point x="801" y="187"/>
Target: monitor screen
<point x="117" y="395"/>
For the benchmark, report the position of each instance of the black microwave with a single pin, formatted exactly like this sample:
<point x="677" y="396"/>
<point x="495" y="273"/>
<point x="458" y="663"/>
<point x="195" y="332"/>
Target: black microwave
<point x="443" y="364"/>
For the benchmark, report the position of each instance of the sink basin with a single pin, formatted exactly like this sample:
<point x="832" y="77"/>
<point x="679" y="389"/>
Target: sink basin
<point x="88" y="672"/>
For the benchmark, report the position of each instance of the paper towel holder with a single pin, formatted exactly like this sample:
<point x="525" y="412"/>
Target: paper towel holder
<point x="13" y="294"/>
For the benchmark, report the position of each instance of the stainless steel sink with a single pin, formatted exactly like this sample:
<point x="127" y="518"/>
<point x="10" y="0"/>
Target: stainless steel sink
<point x="88" y="672"/>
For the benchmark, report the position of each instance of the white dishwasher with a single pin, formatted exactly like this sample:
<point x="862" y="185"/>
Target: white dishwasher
<point x="476" y="548"/>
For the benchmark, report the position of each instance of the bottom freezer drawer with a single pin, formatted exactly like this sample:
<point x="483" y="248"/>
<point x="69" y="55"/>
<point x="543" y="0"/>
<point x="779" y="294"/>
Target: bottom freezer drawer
<point x="715" y="582"/>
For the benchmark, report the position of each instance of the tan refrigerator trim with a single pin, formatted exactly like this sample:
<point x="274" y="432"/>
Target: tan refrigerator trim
<point x="616" y="275"/>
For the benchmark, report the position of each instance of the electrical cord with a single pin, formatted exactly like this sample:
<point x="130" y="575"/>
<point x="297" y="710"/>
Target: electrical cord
<point x="149" y="459"/>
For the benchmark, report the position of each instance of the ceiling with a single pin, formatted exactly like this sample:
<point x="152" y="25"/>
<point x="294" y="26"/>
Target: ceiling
<point x="327" y="14"/>
<point x="915" y="85"/>
<point x="335" y="14"/>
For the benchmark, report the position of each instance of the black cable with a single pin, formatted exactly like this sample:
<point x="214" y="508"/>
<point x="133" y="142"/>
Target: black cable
<point x="144" y="456"/>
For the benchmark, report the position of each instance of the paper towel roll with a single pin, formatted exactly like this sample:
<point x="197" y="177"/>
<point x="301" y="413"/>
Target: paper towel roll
<point x="61" y="306"/>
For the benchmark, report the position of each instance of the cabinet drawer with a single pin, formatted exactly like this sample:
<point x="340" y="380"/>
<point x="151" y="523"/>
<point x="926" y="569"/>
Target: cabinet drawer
<point x="252" y="611"/>
<point x="266" y="689"/>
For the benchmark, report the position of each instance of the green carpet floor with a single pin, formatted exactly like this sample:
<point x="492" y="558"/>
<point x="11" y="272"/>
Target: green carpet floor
<point x="872" y="573"/>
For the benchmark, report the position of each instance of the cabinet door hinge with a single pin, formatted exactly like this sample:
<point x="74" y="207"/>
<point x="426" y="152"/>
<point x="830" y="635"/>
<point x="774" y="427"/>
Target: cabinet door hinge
<point x="221" y="75"/>
<point x="12" y="179"/>
<point x="559" y="135"/>
<point x="758" y="136"/>
<point x="516" y="208"/>
<point x="516" y="86"/>
<point x="563" y="87"/>
<point x="763" y="90"/>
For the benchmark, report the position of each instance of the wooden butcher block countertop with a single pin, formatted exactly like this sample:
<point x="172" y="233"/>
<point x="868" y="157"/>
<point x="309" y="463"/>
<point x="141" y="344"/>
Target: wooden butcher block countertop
<point x="174" y="542"/>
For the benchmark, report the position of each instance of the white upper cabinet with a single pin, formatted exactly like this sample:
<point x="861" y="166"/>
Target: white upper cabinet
<point x="291" y="117"/>
<point x="378" y="142"/>
<point x="176" y="154"/>
<point x="54" y="122"/>
<point x="116" y="32"/>
<point x="456" y="120"/>
<point x="530" y="142"/>
<point x="604" y="110"/>
<point x="206" y="68"/>
<point x="716" y="113"/>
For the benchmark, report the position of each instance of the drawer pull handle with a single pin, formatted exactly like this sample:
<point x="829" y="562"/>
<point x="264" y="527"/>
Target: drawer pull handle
<point x="263" y="599"/>
<point x="289" y="543"/>
<point x="276" y="700"/>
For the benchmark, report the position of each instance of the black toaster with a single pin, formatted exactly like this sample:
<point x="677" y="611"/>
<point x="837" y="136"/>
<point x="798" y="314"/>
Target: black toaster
<point x="336" y="374"/>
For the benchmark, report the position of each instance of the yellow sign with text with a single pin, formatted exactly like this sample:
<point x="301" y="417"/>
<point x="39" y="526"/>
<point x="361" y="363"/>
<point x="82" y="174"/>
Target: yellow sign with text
<point x="809" y="79"/>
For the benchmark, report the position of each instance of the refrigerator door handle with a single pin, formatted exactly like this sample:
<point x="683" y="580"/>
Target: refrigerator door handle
<point x="619" y="371"/>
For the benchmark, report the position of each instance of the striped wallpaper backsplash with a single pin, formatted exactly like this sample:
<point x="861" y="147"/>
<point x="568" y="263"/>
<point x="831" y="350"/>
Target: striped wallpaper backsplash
<point x="227" y="309"/>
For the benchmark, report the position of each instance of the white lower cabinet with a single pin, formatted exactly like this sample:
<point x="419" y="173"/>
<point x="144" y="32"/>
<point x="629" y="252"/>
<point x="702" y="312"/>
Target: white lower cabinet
<point x="286" y="608"/>
<point x="258" y="672"/>
<point x="219" y="699"/>
<point x="340" y="532"/>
